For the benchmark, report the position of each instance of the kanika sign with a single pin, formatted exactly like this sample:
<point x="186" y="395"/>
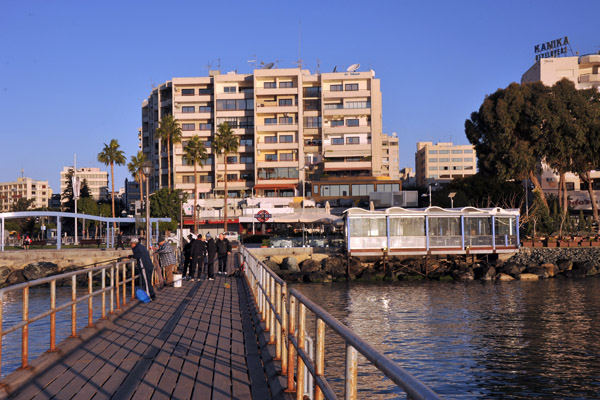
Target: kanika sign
<point x="554" y="48"/>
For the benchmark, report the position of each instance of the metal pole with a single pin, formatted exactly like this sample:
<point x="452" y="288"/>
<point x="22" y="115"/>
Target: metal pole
<point x="320" y="355"/>
<point x="430" y="195"/>
<point x="291" y="332"/>
<point x="53" y="315"/>
<point x="148" y="241"/>
<point x="74" y="306"/>
<point x="90" y="303"/>
<point x="103" y="293"/>
<point x="301" y="346"/>
<point x="75" y="195"/>
<point x="351" y="372"/>
<point x="25" y="331"/>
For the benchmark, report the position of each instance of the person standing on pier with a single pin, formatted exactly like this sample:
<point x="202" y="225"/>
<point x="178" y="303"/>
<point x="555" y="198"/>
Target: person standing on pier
<point x="166" y="257"/>
<point x="187" y="260"/>
<point x="197" y="254"/>
<point x="120" y="241"/>
<point x="211" y="249"/>
<point x="223" y="251"/>
<point x="141" y="255"/>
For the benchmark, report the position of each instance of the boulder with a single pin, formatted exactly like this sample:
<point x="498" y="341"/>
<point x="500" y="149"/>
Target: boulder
<point x="512" y="269"/>
<point x="289" y="276"/>
<point x="463" y="274"/>
<point x="4" y="274"/>
<point x="290" y="264"/>
<point x="39" y="270"/>
<point x="539" y="271"/>
<point x="371" y="275"/>
<point x="575" y="273"/>
<point x="272" y="265"/>
<point x="317" y="277"/>
<point x="529" y="277"/>
<point x="310" y="265"/>
<point x="585" y="266"/>
<point x="16" y="277"/>
<point x="355" y="267"/>
<point x="551" y="269"/>
<point x="318" y="257"/>
<point x="485" y="273"/>
<point x="277" y="259"/>
<point x="504" y="277"/>
<point x="335" y="266"/>
<point x="565" y="264"/>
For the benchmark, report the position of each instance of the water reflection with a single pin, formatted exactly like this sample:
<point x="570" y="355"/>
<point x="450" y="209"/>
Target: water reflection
<point x="472" y="340"/>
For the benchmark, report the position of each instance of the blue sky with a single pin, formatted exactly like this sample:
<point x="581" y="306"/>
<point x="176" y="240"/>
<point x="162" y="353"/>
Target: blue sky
<point x="73" y="74"/>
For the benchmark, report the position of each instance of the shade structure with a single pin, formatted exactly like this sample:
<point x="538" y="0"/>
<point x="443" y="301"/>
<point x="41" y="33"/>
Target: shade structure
<point x="307" y="218"/>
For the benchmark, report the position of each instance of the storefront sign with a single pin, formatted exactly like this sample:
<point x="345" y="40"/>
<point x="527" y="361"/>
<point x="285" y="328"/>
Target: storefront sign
<point x="554" y="48"/>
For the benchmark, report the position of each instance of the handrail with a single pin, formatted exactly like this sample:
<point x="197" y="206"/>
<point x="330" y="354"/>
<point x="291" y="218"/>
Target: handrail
<point x="284" y="314"/>
<point x="119" y="278"/>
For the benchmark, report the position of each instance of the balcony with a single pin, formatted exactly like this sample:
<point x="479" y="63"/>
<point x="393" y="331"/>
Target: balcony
<point x="347" y="129"/>
<point x="191" y="116"/>
<point x="346" y="111"/>
<point x="346" y="165"/>
<point x="590" y="59"/>
<point x="262" y="145"/>
<point x="275" y="91"/>
<point x="277" y="128"/>
<point x="277" y="164"/>
<point x="274" y="108"/>
<point x="328" y="94"/>
<point x="346" y="150"/>
<point x="197" y="98"/>
<point x="589" y="78"/>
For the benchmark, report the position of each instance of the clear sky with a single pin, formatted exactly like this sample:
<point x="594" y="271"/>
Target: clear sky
<point x="73" y="74"/>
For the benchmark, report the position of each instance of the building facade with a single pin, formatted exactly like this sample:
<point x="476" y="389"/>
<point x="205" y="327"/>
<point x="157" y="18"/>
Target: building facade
<point x="290" y="124"/>
<point x="442" y="162"/>
<point x="97" y="181"/>
<point x="584" y="72"/>
<point x="27" y="188"/>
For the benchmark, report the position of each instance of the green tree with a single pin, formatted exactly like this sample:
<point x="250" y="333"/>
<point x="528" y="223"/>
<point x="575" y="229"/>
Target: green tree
<point x="67" y="194"/>
<point x="135" y="169"/>
<point x="22" y="204"/>
<point x="88" y="205"/>
<point x="84" y="191"/>
<point x="111" y="155"/>
<point x="195" y="153"/>
<point x="165" y="203"/>
<point x="170" y="133"/>
<point x="225" y="142"/>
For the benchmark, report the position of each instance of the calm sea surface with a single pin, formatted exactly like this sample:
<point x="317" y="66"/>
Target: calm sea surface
<point x="502" y="340"/>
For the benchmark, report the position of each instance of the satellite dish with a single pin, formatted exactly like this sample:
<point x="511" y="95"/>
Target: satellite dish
<point x="335" y="69"/>
<point x="269" y="66"/>
<point x="353" y="67"/>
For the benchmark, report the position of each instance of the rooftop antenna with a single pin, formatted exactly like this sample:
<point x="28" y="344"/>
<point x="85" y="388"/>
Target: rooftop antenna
<point x="318" y="65"/>
<point x="353" y="67"/>
<point x="22" y="171"/>
<point x="208" y="67"/>
<point x="253" y="61"/>
<point x="335" y="69"/>
<point x="267" y="66"/>
<point x="276" y="62"/>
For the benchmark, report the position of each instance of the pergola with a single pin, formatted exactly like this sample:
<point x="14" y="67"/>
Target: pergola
<point x="110" y="237"/>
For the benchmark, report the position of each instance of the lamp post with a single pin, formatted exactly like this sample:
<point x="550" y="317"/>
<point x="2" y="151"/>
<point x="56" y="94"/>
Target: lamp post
<point x="181" y="195"/>
<point x="147" y="170"/>
<point x="197" y="217"/>
<point x="304" y="169"/>
<point x="451" y="195"/>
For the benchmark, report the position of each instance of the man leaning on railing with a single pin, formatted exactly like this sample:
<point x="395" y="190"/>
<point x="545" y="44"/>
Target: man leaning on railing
<point x="140" y="253"/>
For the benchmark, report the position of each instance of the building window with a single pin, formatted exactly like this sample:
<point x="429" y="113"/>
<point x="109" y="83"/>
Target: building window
<point x="270" y="85"/>
<point x="246" y="159"/>
<point x="286" y="157"/>
<point x="362" y="190"/>
<point x="456" y="151"/>
<point x="229" y="89"/>
<point x="444" y="160"/>
<point x="188" y="127"/>
<point x="337" y="141"/>
<point x="457" y="168"/>
<point x="444" y="151"/>
<point x="312" y="122"/>
<point x="204" y="109"/>
<point x="232" y="177"/>
<point x="286" y="139"/>
<point x="286" y="102"/>
<point x="432" y="151"/>
<point x="270" y="121"/>
<point x="312" y="91"/>
<point x="270" y="157"/>
<point x="270" y="139"/>
<point x="187" y="92"/>
<point x="352" y="140"/>
<point x="468" y="159"/>
<point x="205" y="178"/>
<point x="357" y="104"/>
<point x="336" y="88"/>
<point x="431" y="168"/>
<point x="246" y="176"/>
<point x="457" y="160"/>
<point x="246" y="142"/>
<point x="188" y="109"/>
<point x="205" y="126"/>
<point x="351" y="87"/>
<point x="469" y="167"/>
<point x="286" y="85"/>
<point x="312" y="105"/>
<point x="469" y="151"/>
<point x="286" y="120"/>
<point x="433" y="160"/>
<point x="337" y="122"/>
<point x="278" y="173"/>
<point x="232" y="159"/>
<point x="352" y="122"/>
<point x="188" y="179"/>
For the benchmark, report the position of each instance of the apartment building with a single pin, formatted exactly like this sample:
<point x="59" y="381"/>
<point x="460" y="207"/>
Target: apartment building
<point x="289" y="123"/>
<point x="442" y="162"/>
<point x="27" y="188"/>
<point x="584" y="71"/>
<point x="96" y="179"/>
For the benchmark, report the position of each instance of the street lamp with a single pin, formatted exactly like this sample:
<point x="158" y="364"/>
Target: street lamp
<point x="181" y="195"/>
<point x="197" y="218"/>
<point x="147" y="170"/>
<point x="451" y="195"/>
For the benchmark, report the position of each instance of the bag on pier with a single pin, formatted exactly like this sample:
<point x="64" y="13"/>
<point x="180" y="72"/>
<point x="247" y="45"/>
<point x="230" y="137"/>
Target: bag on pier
<point x="142" y="295"/>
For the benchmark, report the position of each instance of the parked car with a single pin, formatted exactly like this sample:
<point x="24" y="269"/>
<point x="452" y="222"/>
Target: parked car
<point x="231" y="236"/>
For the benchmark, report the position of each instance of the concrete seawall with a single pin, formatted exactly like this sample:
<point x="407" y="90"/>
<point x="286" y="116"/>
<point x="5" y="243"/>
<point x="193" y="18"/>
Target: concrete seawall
<point x="16" y="260"/>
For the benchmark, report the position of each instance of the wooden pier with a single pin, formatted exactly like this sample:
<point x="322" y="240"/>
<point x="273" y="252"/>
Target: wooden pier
<point x="203" y="340"/>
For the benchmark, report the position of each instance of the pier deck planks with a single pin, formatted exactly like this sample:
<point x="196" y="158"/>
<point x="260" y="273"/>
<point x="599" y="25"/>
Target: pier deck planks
<point x="200" y="341"/>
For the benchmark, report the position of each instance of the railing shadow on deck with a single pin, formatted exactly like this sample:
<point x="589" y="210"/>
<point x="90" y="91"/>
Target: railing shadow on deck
<point x="284" y="314"/>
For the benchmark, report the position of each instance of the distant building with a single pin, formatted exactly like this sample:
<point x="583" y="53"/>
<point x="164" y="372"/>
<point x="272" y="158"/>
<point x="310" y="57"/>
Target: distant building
<point x="97" y="181"/>
<point x="408" y="177"/>
<point x="390" y="165"/>
<point x="27" y="188"/>
<point x="131" y="198"/>
<point x="442" y="162"/>
<point x="584" y="72"/>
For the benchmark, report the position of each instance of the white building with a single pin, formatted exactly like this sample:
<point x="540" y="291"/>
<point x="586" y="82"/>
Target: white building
<point x="96" y="179"/>
<point x="11" y="192"/>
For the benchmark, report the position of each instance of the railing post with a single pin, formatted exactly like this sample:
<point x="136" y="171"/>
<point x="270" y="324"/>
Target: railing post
<point x="284" y="327"/>
<point x="271" y="311"/>
<point x="124" y="280"/>
<point x="1" y="319"/>
<point x="25" y="330"/>
<point x="53" y="315"/>
<point x="132" y="280"/>
<point x="112" y="289"/>
<point x="103" y="274"/>
<point x="291" y="333"/>
<point x="277" y="324"/>
<point x="117" y="285"/>
<point x="90" y="302"/>
<point x="351" y="372"/>
<point x="73" y="306"/>
<point x="320" y="356"/>
<point x="301" y="345"/>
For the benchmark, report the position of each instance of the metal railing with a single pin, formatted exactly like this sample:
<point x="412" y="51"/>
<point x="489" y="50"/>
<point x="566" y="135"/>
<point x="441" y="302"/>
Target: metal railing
<point x="119" y="274"/>
<point x="284" y="314"/>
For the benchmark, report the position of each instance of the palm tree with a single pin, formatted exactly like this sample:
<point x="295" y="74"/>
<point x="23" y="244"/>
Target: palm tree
<point x="225" y="142"/>
<point x="170" y="133"/>
<point x="111" y="155"/>
<point x="135" y="169"/>
<point x="195" y="153"/>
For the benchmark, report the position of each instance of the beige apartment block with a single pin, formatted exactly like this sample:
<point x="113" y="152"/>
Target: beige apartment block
<point x="27" y="188"/>
<point x="442" y="162"/>
<point x="290" y="124"/>
<point x="96" y="179"/>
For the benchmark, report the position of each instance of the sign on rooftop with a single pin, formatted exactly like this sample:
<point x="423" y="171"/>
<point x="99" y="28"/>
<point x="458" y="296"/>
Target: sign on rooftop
<point x="553" y="48"/>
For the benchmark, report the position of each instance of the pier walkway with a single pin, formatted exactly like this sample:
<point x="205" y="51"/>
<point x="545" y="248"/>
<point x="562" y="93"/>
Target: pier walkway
<point x="201" y="341"/>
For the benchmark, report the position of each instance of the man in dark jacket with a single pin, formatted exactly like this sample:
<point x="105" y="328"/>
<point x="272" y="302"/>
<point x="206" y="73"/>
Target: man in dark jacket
<point x="197" y="254"/>
<point x="187" y="260"/>
<point x="141" y="255"/>
<point x="211" y="249"/>
<point x="223" y="251"/>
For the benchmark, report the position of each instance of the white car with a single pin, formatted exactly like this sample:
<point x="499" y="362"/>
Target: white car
<point x="231" y="236"/>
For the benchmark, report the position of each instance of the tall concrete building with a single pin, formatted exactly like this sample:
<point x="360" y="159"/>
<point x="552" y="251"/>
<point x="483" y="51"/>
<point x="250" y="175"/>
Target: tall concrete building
<point x="442" y="162"/>
<point x="97" y="181"/>
<point x="27" y="188"/>
<point x="584" y="71"/>
<point x="290" y="124"/>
